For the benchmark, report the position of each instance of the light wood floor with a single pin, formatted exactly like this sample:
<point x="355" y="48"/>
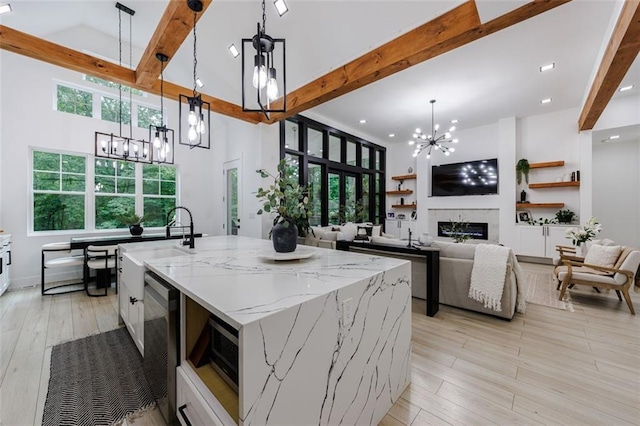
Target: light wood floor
<point x="547" y="366"/>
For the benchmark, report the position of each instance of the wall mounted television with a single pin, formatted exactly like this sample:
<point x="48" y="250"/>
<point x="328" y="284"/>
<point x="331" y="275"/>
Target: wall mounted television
<point x="469" y="178"/>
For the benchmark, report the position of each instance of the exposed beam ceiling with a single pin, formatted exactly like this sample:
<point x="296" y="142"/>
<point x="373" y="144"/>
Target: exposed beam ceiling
<point x="621" y="51"/>
<point x="46" y="51"/>
<point x="174" y="27"/>
<point x="447" y="32"/>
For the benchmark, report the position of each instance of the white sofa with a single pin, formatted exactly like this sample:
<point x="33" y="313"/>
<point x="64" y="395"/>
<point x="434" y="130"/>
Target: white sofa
<point x="326" y="236"/>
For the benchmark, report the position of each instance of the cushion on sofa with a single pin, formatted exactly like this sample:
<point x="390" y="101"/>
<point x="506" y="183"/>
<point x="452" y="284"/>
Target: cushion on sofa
<point x="456" y="250"/>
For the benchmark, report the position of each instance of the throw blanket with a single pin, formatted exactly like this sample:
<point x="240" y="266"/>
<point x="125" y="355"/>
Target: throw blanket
<point x="488" y="275"/>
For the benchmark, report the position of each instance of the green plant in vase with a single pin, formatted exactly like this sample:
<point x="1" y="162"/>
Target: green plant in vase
<point x="458" y="230"/>
<point x="133" y="221"/>
<point x="565" y="216"/>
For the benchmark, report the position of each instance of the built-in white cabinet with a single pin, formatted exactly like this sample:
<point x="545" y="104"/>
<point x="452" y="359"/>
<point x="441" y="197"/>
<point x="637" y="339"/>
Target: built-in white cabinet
<point x="5" y="262"/>
<point x="131" y="298"/>
<point x="400" y="228"/>
<point x="541" y="241"/>
<point x="192" y="409"/>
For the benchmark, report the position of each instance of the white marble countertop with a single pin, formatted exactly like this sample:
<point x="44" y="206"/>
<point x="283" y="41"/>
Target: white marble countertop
<point x="227" y="276"/>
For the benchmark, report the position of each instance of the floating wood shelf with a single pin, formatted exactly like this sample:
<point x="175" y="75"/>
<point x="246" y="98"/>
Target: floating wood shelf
<point x="554" y="184"/>
<point x="539" y="205"/>
<point x="404" y="206"/>
<point x="401" y="192"/>
<point x="547" y="164"/>
<point x="404" y="177"/>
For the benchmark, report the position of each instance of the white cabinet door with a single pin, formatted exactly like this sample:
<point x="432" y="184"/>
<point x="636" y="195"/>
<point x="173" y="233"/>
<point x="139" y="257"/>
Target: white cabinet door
<point x="532" y="240"/>
<point x="137" y="319"/>
<point x="392" y="227"/>
<point x="191" y="406"/>
<point x="556" y="236"/>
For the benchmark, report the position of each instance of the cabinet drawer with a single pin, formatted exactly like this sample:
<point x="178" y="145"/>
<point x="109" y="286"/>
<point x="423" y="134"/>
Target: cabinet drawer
<point x="190" y="404"/>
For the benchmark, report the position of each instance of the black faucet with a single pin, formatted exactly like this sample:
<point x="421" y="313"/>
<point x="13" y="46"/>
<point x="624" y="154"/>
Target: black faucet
<point x="191" y="240"/>
<point x="409" y="245"/>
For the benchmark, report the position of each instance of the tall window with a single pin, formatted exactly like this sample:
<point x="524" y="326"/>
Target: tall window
<point x="74" y="101"/>
<point x="115" y="192"/>
<point x="58" y="191"/>
<point x="159" y="189"/>
<point x="339" y="169"/>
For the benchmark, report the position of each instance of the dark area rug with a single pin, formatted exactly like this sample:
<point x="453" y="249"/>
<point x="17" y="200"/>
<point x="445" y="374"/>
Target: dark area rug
<point x="96" y="380"/>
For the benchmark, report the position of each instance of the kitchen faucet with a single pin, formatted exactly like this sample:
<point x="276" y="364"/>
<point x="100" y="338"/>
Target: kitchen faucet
<point x="191" y="240"/>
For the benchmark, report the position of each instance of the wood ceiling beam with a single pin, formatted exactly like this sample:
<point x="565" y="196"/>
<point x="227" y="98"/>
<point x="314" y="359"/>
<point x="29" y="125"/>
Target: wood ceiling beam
<point x="622" y="49"/>
<point x="172" y="30"/>
<point x="445" y="33"/>
<point x="55" y="54"/>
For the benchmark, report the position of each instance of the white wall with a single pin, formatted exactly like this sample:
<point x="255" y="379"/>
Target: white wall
<point x="29" y="120"/>
<point x="616" y="198"/>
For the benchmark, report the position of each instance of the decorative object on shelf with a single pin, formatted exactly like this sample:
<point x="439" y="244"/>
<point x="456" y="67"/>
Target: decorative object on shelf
<point x="402" y="201"/>
<point x="433" y="140"/>
<point x="578" y="175"/>
<point x="197" y="132"/>
<point x="573" y="176"/>
<point x="542" y="221"/>
<point x="410" y="170"/>
<point x="119" y="147"/>
<point x="565" y="216"/>
<point x="584" y="233"/>
<point x="290" y="204"/>
<point x="425" y="239"/>
<point x="162" y="137"/>
<point x="523" y="196"/>
<point x="400" y="186"/>
<point x="522" y="169"/>
<point x="524" y="216"/>
<point x="133" y="221"/>
<point x="414" y="215"/>
<point x="269" y="76"/>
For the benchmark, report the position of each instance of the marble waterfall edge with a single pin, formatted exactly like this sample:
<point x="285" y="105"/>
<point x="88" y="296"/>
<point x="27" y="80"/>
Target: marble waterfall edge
<point x="307" y="366"/>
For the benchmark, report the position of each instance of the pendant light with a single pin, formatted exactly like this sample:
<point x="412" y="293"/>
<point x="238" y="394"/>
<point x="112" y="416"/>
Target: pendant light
<point x="161" y="136"/>
<point x="120" y="147"/>
<point x="195" y="123"/>
<point x="268" y="77"/>
<point x="433" y="140"/>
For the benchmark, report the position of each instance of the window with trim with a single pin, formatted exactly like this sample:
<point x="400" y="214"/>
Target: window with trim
<point x="113" y="85"/>
<point x="59" y="182"/>
<point x="64" y="189"/>
<point x="344" y="174"/>
<point x="74" y="101"/>
<point x="148" y="116"/>
<point x="110" y="110"/>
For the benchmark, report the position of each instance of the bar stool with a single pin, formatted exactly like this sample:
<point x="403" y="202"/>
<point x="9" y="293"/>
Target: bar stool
<point x="59" y="262"/>
<point x="102" y="259"/>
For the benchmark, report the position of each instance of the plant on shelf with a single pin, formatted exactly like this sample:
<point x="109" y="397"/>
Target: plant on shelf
<point x="289" y="201"/>
<point x="522" y="169"/>
<point x="565" y="216"/>
<point x="542" y="221"/>
<point x="133" y="221"/>
<point x="458" y="230"/>
<point x="584" y="233"/>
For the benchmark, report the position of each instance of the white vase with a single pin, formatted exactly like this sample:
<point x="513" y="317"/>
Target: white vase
<point x="425" y="239"/>
<point x="583" y="249"/>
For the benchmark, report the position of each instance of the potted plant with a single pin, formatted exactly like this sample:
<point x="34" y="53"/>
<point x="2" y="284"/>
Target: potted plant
<point x="565" y="216"/>
<point x="522" y="169"/>
<point x="288" y="200"/>
<point x="457" y="230"/>
<point x="134" y="222"/>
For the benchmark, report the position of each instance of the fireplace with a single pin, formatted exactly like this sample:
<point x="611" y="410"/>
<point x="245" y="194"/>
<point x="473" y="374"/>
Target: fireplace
<point x="475" y="230"/>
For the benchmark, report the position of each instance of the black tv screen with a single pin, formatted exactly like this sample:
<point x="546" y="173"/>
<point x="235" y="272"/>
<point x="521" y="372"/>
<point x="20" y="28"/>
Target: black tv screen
<point x="469" y="178"/>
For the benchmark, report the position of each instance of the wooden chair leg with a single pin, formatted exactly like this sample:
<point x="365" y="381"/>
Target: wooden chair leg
<point x="625" y="292"/>
<point x="619" y="295"/>
<point x="565" y="284"/>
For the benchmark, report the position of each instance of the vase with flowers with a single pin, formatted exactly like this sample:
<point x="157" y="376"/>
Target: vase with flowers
<point x="289" y="201"/>
<point x="584" y="233"/>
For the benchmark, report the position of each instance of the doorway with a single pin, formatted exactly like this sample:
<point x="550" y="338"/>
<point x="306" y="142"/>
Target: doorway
<point x="232" y="200"/>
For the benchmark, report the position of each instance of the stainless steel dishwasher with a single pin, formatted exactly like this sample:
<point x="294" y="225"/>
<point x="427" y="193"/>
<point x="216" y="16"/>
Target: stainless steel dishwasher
<point x="161" y="339"/>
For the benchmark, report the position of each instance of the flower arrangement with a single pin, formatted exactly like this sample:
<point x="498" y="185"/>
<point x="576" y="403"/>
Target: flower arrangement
<point x="457" y="230"/>
<point x="585" y="233"/>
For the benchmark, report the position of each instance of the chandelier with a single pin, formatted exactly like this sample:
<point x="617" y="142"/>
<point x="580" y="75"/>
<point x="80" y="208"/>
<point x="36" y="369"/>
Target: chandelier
<point x="424" y="141"/>
<point x="198" y="117"/>
<point x="266" y="79"/>
<point x="119" y="147"/>
<point x="161" y="136"/>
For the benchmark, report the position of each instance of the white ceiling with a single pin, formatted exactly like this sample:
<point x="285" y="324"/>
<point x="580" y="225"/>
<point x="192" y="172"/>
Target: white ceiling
<point x="478" y="84"/>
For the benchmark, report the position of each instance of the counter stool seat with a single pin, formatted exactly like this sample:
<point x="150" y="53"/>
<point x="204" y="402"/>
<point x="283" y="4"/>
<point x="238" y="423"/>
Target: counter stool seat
<point x="102" y="259"/>
<point x="59" y="262"/>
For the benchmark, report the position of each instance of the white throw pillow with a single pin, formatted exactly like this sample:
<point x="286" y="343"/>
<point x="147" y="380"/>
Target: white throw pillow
<point x="330" y="236"/>
<point x="349" y="231"/>
<point x="603" y="255"/>
<point x="376" y="231"/>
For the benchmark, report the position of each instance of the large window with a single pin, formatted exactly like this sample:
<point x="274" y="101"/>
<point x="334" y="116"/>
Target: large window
<point x="345" y="174"/>
<point x="58" y="191"/>
<point x="74" y="101"/>
<point x="68" y="195"/>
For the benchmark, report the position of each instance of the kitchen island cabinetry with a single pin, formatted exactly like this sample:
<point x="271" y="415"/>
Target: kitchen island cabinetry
<point x="322" y="340"/>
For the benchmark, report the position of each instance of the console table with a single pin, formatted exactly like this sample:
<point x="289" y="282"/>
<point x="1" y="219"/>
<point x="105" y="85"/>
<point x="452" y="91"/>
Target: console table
<point x="432" y="255"/>
<point x="107" y="240"/>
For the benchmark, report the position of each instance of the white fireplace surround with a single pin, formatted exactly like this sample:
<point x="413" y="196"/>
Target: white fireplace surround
<point x="489" y="216"/>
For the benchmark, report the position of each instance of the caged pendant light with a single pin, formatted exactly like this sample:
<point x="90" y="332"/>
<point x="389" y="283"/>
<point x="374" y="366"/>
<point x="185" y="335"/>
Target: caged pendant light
<point x="162" y="137"/>
<point x="195" y="123"/>
<point x="265" y="57"/>
<point x="120" y="147"/>
<point x="433" y="140"/>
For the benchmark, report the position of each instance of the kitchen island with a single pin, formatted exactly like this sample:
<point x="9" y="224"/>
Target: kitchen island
<point x="321" y="340"/>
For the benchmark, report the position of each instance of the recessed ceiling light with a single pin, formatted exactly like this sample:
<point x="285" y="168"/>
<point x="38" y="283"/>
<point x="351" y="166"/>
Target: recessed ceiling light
<point x="392" y="135"/>
<point x="614" y="137"/>
<point x="625" y="88"/>
<point x="363" y="121"/>
<point x="454" y="121"/>
<point x="545" y="101"/>
<point x="234" y="50"/>
<point x="547" y="67"/>
<point x="5" y="8"/>
<point x="281" y="7"/>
